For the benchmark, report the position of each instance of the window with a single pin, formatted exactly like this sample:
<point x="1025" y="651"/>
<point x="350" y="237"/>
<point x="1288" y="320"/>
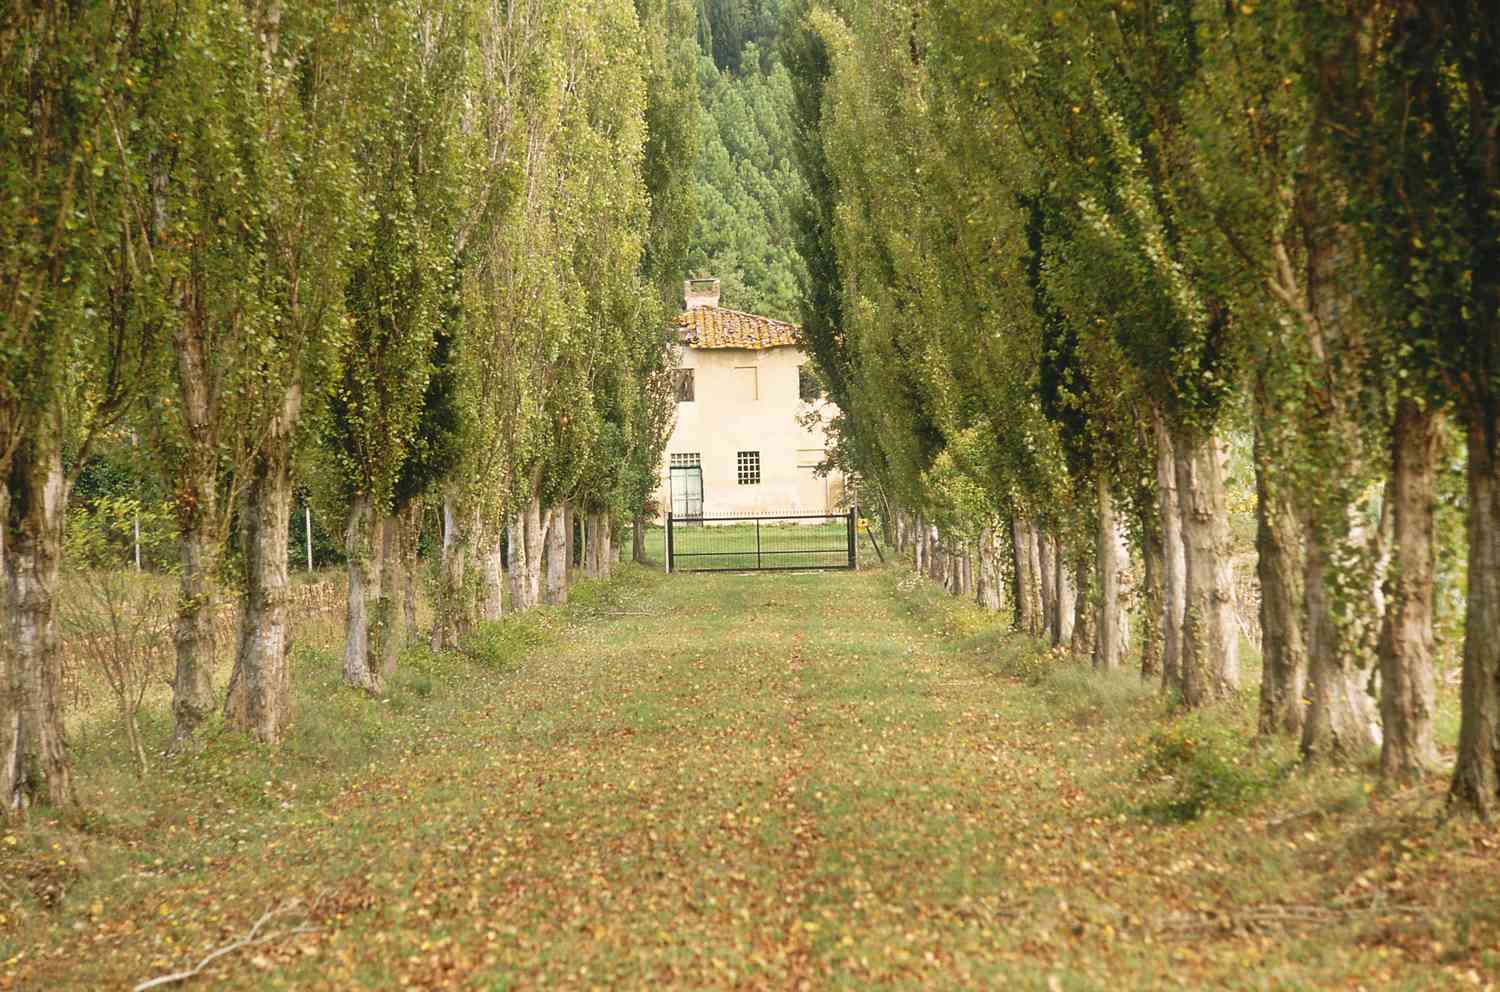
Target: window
<point x="748" y="465"/>
<point x="682" y="381"/>
<point x="687" y="459"/>
<point x="807" y="385"/>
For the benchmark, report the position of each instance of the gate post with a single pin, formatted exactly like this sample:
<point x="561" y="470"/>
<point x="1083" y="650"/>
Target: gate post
<point x="669" y="542"/>
<point x="849" y="520"/>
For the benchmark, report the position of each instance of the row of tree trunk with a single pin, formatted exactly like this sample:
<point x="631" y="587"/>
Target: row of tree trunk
<point x="526" y="562"/>
<point x="1317" y="683"/>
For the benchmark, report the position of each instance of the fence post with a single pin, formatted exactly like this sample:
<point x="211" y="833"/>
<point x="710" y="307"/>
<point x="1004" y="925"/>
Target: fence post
<point x="757" y="543"/>
<point x="849" y="520"/>
<point x="669" y="542"/>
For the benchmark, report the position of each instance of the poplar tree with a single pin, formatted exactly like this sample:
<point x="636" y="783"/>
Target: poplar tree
<point x="76" y="289"/>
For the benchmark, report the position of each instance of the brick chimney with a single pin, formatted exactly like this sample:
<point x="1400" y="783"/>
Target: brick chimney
<point x="700" y="293"/>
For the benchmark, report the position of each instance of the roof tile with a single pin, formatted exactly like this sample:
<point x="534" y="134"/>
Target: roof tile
<point x="717" y="327"/>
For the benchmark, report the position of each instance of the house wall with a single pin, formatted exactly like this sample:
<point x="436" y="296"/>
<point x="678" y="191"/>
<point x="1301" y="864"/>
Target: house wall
<point x="724" y="419"/>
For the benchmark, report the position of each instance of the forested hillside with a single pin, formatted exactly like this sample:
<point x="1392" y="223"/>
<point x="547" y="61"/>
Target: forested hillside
<point x="746" y="182"/>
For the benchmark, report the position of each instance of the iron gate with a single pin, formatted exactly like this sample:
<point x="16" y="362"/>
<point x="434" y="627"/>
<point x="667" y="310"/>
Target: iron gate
<point x="737" y="542"/>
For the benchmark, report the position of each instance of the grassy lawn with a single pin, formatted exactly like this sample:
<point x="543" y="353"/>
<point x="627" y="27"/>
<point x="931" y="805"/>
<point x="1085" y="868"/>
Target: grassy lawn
<point x="739" y="547"/>
<point x="841" y="780"/>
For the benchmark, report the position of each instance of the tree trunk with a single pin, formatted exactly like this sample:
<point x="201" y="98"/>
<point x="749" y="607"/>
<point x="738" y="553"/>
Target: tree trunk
<point x="1210" y="645"/>
<point x="33" y="748"/>
<point x="638" y="538"/>
<point x="452" y="620"/>
<point x="515" y="560"/>
<point x="1407" y="683"/>
<point x="610" y="550"/>
<point x="1084" y="632"/>
<point x="591" y="545"/>
<point x="557" y="556"/>
<point x="988" y="592"/>
<point x="1153" y="565"/>
<point x="361" y="668"/>
<point x="1109" y="648"/>
<point x="199" y="536"/>
<point x="919" y="546"/>
<point x="1047" y="584"/>
<point x="1067" y="596"/>
<point x="1340" y="720"/>
<point x="937" y="557"/>
<point x="411" y="536"/>
<point x="1278" y="565"/>
<point x="260" y="688"/>
<point x="1174" y="559"/>
<point x="193" y="634"/>
<point x="1028" y="598"/>
<point x="1476" y="775"/>
<point x="386" y="617"/>
<point x="536" y="538"/>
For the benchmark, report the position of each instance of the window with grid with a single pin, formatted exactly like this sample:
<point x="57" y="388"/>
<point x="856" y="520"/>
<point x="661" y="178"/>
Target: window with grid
<point x="682" y="381"/>
<point x="748" y="466"/>
<point x="807" y="385"/>
<point x="688" y="459"/>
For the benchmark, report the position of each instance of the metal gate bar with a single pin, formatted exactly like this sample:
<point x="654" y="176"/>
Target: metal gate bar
<point x="777" y="542"/>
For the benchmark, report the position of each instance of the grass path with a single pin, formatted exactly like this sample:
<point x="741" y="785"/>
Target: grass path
<point x="790" y="781"/>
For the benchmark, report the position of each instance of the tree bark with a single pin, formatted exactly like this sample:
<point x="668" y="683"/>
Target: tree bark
<point x="1210" y="643"/>
<point x="1047" y="584"/>
<point x="1174" y="559"/>
<point x="1407" y="683"/>
<point x="260" y="687"/>
<point x="1153" y="565"/>
<point x="1028" y="597"/>
<point x="386" y="616"/>
<point x="591" y="545"/>
<point x="1109" y="647"/>
<point x="1085" y="633"/>
<point x="361" y="669"/>
<point x="1476" y="774"/>
<point x="193" y="635"/>
<point x="1340" y="720"/>
<point x="557" y="557"/>
<point x="34" y="763"/>
<point x="1278" y="565"/>
<point x="199" y="537"/>
<point x="988" y="591"/>
<point x="411" y="536"/>
<point x="535" y="538"/>
<point x="1067" y="596"/>
<point x="608" y="551"/>
<point x="919" y="546"/>
<point x="452" y="620"/>
<point x="638" y="538"/>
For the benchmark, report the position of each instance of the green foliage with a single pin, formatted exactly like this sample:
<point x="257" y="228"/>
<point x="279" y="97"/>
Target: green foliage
<point x="498" y="644"/>
<point x="1198" y="764"/>
<point x="102" y="534"/>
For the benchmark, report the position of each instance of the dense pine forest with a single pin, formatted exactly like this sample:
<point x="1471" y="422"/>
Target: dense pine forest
<point x="1162" y="339"/>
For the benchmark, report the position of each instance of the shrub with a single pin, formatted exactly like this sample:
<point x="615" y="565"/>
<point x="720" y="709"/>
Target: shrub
<point x="1202" y="766"/>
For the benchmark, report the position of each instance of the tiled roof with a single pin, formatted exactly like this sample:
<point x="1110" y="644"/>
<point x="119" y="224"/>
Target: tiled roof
<point x="716" y="327"/>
